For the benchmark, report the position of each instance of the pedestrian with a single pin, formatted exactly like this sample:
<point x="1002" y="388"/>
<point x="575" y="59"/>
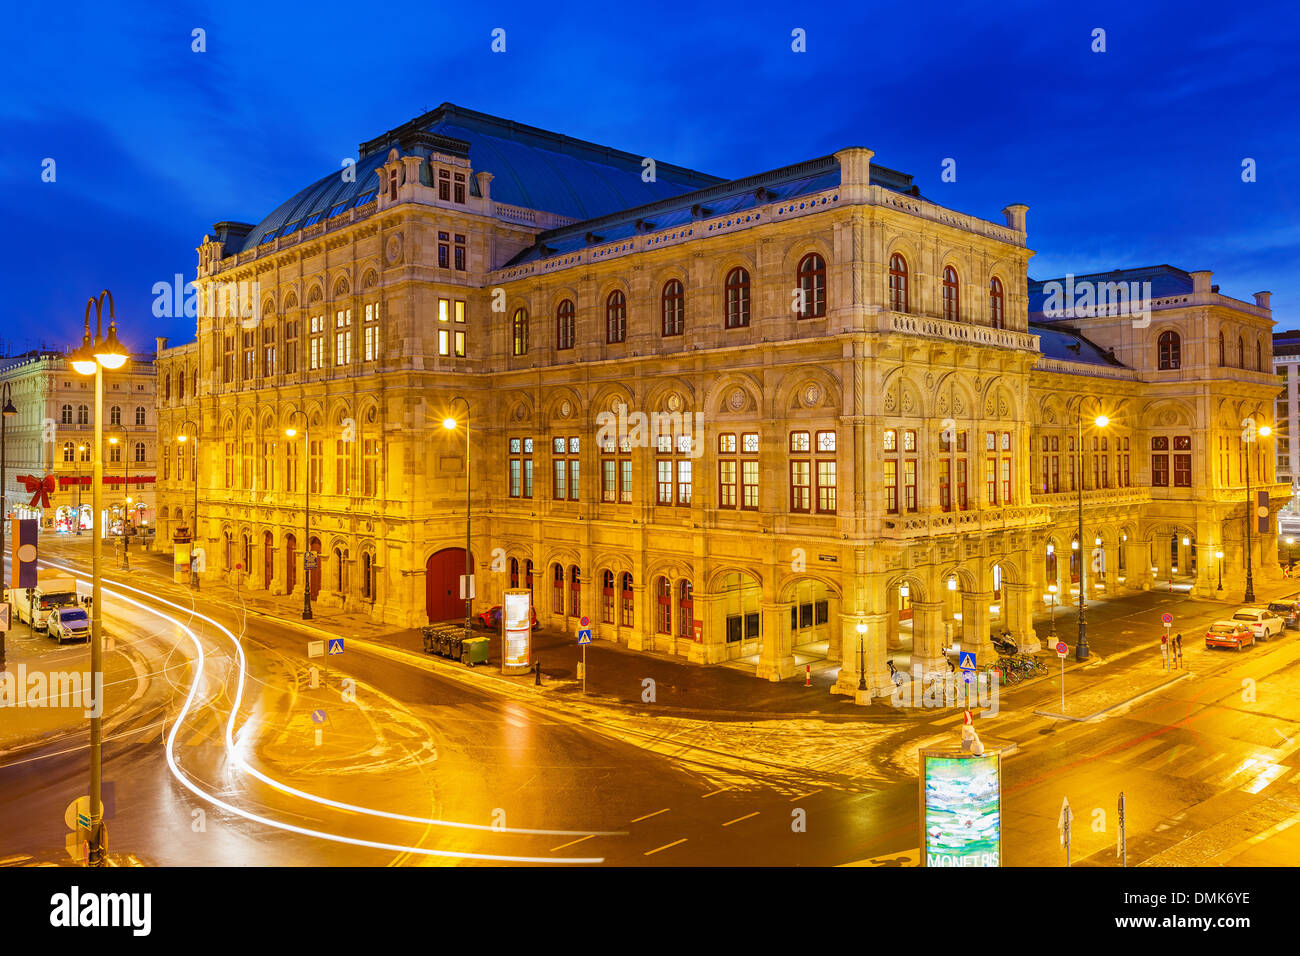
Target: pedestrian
<point x="1164" y="649"/>
<point x="1178" y="648"/>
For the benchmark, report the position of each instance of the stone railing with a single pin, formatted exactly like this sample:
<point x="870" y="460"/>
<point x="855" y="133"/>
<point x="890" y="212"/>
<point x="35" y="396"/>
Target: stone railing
<point x="913" y="205"/>
<point x="1084" y="368"/>
<point x="956" y="331"/>
<point x="530" y="217"/>
<point x="1095" y="497"/>
<point x="1011" y="518"/>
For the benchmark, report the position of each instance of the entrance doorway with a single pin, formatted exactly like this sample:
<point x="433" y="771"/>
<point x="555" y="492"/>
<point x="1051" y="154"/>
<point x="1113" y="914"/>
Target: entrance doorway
<point x="442" y="600"/>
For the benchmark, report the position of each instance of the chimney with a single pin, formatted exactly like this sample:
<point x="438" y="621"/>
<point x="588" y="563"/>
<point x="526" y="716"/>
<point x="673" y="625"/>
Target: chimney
<point x="1015" y="214"/>
<point x="161" y="341"/>
<point x="1262" y="299"/>
<point x="855" y="173"/>
<point x="1201" y="280"/>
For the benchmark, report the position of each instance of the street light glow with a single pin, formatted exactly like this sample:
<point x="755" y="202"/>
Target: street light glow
<point x="449" y="424"/>
<point x="291" y="432"/>
<point x="1265" y="430"/>
<point x="1102" y="421"/>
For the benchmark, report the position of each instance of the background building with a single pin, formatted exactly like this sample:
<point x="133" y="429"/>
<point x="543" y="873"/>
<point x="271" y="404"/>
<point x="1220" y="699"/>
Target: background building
<point x="53" y="434"/>
<point x="864" y="425"/>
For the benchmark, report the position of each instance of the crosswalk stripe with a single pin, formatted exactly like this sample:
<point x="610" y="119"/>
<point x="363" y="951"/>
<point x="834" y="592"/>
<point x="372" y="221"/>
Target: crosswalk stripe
<point x="1133" y="753"/>
<point x="1201" y="765"/>
<point x="1167" y="757"/>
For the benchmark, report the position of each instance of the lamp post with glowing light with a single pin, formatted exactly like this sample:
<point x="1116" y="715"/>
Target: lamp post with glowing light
<point x="862" y="666"/>
<point x="1263" y="431"/>
<point x="95" y="355"/>
<point x="1219" y="556"/>
<point x="306" y="512"/>
<point x="450" y="424"/>
<point x="194" y="534"/>
<point x="1081" y="647"/>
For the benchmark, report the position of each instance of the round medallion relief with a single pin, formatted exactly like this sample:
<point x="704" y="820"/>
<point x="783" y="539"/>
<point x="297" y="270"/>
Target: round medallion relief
<point x="737" y="400"/>
<point x="566" y="408"/>
<point x="393" y="249"/>
<point x="674" y="401"/>
<point x="812" y="395"/>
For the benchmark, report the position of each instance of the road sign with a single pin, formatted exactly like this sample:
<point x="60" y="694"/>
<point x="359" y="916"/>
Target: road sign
<point x="1061" y="649"/>
<point x="585" y="621"/>
<point x="967" y="660"/>
<point x="336" y="645"/>
<point x="1167" y="619"/>
<point x="584" y="636"/>
<point x="315" y="648"/>
<point x="318" y="716"/>
<point x="78" y="814"/>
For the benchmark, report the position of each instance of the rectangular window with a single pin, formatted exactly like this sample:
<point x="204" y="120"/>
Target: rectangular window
<point x="444" y="185"/>
<point x="891" y="486"/>
<point x="749" y="484"/>
<point x="945" y="484"/>
<point x="316" y="346"/>
<point x="664" y="481"/>
<point x="625" y="480"/>
<point x="343" y="337"/>
<point x="291" y="347"/>
<point x="268" y="351"/>
<point x="459" y="194"/>
<point x="909" y="484"/>
<point x="683" y="481"/>
<point x="1006" y="481"/>
<point x="370" y="333"/>
<point x="1183" y="461"/>
<point x="738" y="471"/>
<point x="521" y="467"/>
<point x="315" y="467"/>
<point x="991" y="480"/>
<point x="460" y="248"/>
<point x="444" y="250"/>
<point x="250" y="355"/>
<point x="1160" y="471"/>
<point x="801" y="485"/>
<point x="727" y="483"/>
<point x="608" y="479"/>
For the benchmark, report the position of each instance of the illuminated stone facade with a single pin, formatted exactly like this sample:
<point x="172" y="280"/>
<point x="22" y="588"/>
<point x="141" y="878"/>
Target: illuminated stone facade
<point x="843" y="351"/>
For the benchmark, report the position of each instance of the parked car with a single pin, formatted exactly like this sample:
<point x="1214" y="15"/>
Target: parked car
<point x="1288" y="611"/>
<point x="1232" y="634"/>
<point x="1262" y="622"/>
<point x="69" y="623"/>
<point x="491" y="618"/>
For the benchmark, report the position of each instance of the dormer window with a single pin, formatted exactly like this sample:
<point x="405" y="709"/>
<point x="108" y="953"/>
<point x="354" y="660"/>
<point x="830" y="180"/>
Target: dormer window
<point x="392" y="185"/>
<point x="444" y="185"/>
<point x="460" y="188"/>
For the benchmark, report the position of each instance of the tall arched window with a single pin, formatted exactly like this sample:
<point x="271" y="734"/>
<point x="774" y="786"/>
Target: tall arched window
<point x="83" y="415"/>
<point x="626" y="617"/>
<point x="672" y="305"/>
<point x="139" y="451"/>
<point x="663" y="606"/>
<point x="167" y="387"/>
<point x="737" y="289"/>
<point x="67" y="415"/>
<point x="514" y="572"/>
<point x="557" y="588"/>
<point x="521" y="332"/>
<point x="897" y="283"/>
<point x="996" y="314"/>
<point x="1223" y="355"/>
<point x="951" y="311"/>
<point x="685" y="611"/>
<point x="1259" y="356"/>
<point x="564" y="325"/>
<point x="812" y="285"/>
<point x="115" y="415"/>
<point x="575" y="591"/>
<point x="68" y="451"/>
<point x="1169" y="351"/>
<point x="139" y="415"/>
<point x="1241" y="353"/>
<point x="367" y="575"/>
<point x="616" y="317"/>
<point x="607" y="597"/>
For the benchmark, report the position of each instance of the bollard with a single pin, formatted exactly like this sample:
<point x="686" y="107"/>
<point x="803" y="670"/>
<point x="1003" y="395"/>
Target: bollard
<point x="807" y="675"/>
<point x="537" y="670"/>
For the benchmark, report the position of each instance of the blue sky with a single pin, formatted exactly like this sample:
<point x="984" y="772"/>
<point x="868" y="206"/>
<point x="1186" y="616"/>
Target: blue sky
<point x="1126" y="158"/>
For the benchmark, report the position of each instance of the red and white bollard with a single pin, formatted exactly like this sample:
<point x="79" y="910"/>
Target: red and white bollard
<point x="807" y="675"/>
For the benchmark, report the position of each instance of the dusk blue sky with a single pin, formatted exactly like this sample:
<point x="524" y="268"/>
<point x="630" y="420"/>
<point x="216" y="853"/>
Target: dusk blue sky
<point x="1130" y="157"/>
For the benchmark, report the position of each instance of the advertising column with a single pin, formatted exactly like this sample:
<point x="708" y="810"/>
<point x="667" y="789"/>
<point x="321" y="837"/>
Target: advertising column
<point x="516" y="638"/>
<point x="961" y="808"/>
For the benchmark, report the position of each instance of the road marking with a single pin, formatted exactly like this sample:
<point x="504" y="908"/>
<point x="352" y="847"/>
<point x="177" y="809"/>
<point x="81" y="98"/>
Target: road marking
<point x="664" y="847"/>
<point x="649" y="815"/>
<point x="716" y="792"/>
<point x="14" y="860"/>
<point x="802" y="795"/>
<point x="572" y="842"/>
<point x="738" y="819"/>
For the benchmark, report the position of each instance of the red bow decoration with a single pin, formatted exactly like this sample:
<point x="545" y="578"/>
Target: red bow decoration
<point x="39" y="487"/>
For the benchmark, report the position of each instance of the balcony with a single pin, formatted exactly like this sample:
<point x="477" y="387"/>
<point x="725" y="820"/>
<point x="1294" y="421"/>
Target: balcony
<point x="1012" y="518"/>
<point x="964" y="332"/>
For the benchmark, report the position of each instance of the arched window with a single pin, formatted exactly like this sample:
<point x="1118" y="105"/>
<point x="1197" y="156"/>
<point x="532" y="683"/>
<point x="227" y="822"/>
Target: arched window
<point x="1259" y="356"/>
<point x="626" y="617"/>
<point x="367" y="575"/>
<point x="83" y="415"/>
<point x="167" y="387"/>
<point x="557" y="581"/>
<point x="115" y="452"/>
<point x="139" y="415"/>
<point x="340" y="575"/>
<point x="68" y="451"/>
<point x="521" y="332"/>
<point x="897" y="283"/>
<point x="115" y="415"/>
<point x="1223" y="356"/>
<point x="996" y="314"/>
<point x="564" y="325"/>
<point x="139" y="451"/>
<point x="672" y="304"/>
<point x="616" y="317"/>
<point x="528" y="576"/>
<point x="514" y="572"/>
<point x="812" y="286"/>
<point x="1241" y="353"/>
<point x="951" y="310"/>
<point x="575" y="592"/>
<point x="737" y="299"/>
<point x="85" y="452"/>
<point x="228" y="551"/>
<point x="248" y="553"/>
<point x="663" y="606"/>
<point x="67" y="415"/>
<point x="1170" y="351"/>
<point x="607" y="597"/>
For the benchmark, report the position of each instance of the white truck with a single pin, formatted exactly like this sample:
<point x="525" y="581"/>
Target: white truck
<point x="53" y="588"/>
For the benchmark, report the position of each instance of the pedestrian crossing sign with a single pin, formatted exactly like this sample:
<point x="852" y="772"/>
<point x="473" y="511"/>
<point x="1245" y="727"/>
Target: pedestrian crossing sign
<point x="336" y="646"/>
<point x="584" y="636"/>
<point x="967" y="660"/>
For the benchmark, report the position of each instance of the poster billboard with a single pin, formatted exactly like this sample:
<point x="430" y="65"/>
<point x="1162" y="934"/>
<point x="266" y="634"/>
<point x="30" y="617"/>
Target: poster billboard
<point x="961" y="808"/>
<point x="516" y="630"/>
<point x="181" y="563"/>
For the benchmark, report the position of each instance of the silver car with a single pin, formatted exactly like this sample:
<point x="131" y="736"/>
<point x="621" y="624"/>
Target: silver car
<point x="1262" y="622"/>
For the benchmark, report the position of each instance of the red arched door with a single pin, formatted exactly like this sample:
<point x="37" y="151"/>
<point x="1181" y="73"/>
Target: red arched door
<point x="314" y="545"/>
<point x="442" y="601"/>
<point x="290" y="563"/>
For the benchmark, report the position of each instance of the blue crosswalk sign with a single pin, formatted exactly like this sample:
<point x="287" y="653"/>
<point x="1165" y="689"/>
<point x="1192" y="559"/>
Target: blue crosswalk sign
<point x="584" y="636"/>
<point x="967" y="659"/>
<point x="336" y="646"/>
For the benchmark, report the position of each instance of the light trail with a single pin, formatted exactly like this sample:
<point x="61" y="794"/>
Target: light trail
<point x="240" y="762"/>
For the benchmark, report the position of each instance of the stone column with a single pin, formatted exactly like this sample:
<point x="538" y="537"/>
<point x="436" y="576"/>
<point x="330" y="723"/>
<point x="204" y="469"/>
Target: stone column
<point x="975" y="626"/>
<point x="892" y="641"/>
<point x="927" y="638"/>
<point x="847" y="682"/>
<point x="879" y="683"/>
<point x="1019" y="612"/>
<point x="776" y="659"/>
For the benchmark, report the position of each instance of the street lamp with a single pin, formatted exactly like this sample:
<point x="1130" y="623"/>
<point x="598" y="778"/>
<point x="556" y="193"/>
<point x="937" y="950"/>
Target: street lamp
<point x="194" y="534"/>
<point x="306" y="512"/>
<point x="450" y="423"/>
<point x="95" y="355"/>
<point x="862" y="666"/>
<point x="8" y="413"/>
<point x="1264" y="431"/>
<point x="1219" y="556"/>
<point x="1081" y="647"/>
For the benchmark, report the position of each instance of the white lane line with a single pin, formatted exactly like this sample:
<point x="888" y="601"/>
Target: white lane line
<point x="649" y="815"/>
<point x="572" y="842"/>
<point x="716" y="792"/>
<point x="802" y="795"/>
<point x="738" y="819"/>
<point x="666" y="846"/>
<point x="14" y="860"/>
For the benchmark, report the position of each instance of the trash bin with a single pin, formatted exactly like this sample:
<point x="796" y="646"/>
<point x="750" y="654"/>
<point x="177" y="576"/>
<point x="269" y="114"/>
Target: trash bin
<point x="444" y="644"/>
<point x="454" y="646"/>
<point x="475" y="650"/>
<point x="430" y="644"/>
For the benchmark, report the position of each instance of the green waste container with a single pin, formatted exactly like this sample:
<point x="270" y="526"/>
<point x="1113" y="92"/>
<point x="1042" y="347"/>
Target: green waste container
<point x="475" y="650"/>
